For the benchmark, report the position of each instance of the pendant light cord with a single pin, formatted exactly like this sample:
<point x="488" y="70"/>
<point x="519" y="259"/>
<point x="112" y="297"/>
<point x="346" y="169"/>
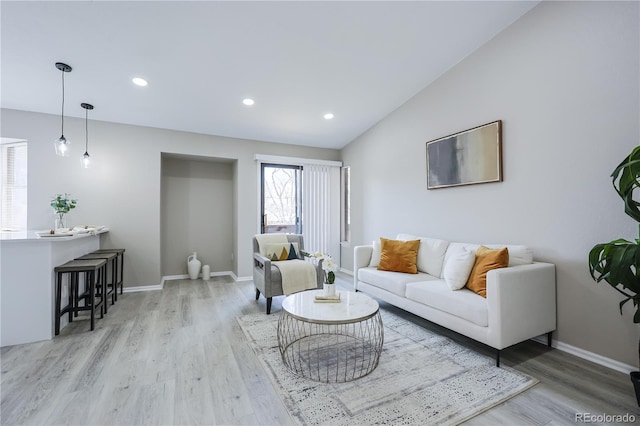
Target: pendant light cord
<point x="86" y="131"/>
<point x="62" y="132"/>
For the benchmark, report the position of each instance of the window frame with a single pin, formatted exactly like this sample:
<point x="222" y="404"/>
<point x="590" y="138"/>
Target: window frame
<point x="345" y="205"/>
<point x="9" y="184"/>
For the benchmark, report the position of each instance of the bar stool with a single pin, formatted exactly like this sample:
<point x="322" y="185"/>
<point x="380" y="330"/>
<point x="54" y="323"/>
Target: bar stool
<point x="111" y="259"/>
<point x="120" y="253"/>
<point x="92" y="269"/>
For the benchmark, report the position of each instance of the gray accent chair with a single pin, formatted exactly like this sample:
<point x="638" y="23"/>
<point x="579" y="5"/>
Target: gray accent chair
<point x="267" y="278"/>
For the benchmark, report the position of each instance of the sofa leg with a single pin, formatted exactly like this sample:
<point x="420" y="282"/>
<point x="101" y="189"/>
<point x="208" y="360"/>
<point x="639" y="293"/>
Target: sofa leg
<point x="497" y="357"/>
<point x="257" y="294"/>
<point x="549" y="334"/>
<point x="269" y="299"/>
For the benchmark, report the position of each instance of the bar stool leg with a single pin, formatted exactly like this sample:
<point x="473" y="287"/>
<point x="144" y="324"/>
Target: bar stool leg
<point x="75" y="285"/>
<point x="122" y="275"/>
<point x="102" y="278"/>
<point x="114" y="273"/>
<point x="86" y="287"/>
<point x="92" y="295"/>
<point x="103" y="283"/>
<point x="58" y="301"/>
<point x="114" y="280"/>
<point x="72" y="280"/>
<point x="98" y="290"/>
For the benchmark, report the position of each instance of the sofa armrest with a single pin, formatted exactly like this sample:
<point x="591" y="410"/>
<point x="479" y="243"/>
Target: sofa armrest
<point x="521" y="302"/>
<point x="361" y="256"/>
<point x="361" y="259"/>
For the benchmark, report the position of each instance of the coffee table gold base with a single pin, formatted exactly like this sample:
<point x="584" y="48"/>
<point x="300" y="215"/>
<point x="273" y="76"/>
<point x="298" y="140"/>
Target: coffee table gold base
<point x="330" y="353"/>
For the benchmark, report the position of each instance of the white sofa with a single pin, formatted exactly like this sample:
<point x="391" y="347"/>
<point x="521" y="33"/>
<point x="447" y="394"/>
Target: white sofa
<point x="520" y="302"/>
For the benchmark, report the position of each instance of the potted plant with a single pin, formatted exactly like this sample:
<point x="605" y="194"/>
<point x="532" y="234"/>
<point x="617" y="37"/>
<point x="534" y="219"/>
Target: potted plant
<point x="329" y="267"/>
<point x="61" y="206"/>
<point x="618" y="262"/>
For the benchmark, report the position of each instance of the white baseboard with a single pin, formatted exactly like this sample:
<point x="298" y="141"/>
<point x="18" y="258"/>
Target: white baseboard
<point x="238" y="279"/>
<point x="183" y="277"/>
<point x="588" y="355"/>
<point x="346" y="271"/>
<point x="143" y="288"/>
<point x="174" y="277"/>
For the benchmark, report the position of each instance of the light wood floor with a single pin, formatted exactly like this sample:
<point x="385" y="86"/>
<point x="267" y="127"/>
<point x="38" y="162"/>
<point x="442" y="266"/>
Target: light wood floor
<point x="177" y="356"/>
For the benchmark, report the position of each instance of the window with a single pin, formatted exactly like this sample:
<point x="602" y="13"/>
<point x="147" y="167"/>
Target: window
<point x="14" y="186"/>
<point x="345" y="204"/>
<point x="300" y="195"/>
<point x="281" y="199"/>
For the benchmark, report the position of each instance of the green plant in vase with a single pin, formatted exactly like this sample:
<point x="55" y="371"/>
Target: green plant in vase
<point x="61" y="206"/>
<point x="329" y="266"/>
<point x="618" y="262"/>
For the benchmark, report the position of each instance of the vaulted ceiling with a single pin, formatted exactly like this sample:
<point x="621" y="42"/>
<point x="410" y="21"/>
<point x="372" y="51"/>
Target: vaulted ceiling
<point x="298" y="60"/>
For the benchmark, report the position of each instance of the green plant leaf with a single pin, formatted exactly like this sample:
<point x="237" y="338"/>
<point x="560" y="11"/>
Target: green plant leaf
<point x="622" y="304"/>
<point x="626" y="178"/>
<point x="63" y="205"/>
<point x="618" y="262"/>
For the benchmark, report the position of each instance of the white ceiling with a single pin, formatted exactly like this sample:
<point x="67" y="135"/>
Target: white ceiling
<point x="298" y="60"/>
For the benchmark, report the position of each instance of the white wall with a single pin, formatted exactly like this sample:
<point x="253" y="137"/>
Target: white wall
<point x="564" y="80"/>
<point x="123" y="189"/>
<point x="197" y="214"/>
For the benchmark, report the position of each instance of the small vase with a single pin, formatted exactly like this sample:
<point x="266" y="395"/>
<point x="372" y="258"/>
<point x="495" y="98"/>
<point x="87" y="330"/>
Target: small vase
<point x="60" y="222"/>
<point x="206" y="272"/>
<point x="329" y="289"/>
<point x="193" y="266"/>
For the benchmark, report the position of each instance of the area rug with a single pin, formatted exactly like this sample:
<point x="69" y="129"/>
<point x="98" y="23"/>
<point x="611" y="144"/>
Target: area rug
<point x="422" y="378"/>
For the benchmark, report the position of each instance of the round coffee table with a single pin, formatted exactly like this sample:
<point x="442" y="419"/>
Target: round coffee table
<point x="330" y="342"/>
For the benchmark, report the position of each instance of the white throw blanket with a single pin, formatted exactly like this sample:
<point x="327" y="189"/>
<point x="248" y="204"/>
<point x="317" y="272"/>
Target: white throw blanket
<point x="264" y="239"/>
<point x="297" y="275"/>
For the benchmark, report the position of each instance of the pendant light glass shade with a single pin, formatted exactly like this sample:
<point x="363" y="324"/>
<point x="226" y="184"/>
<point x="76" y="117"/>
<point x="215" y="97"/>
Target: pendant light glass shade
<point x="62" y="145"/>
<point x="86" y="158"/>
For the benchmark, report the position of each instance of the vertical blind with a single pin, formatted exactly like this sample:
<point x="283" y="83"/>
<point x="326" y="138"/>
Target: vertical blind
<point x="14" y="187"/>
<point x="320" y="202"/>
<point x="316" y="207"/>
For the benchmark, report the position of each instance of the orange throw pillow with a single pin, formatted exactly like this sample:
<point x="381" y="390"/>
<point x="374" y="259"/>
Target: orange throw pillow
<point x="486" y="260"/>
<point x="399" y="256"/>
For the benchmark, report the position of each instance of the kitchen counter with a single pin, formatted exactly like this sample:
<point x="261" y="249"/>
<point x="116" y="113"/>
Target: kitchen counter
<point x="27" y="281"/>
<point x="32" y="236"/>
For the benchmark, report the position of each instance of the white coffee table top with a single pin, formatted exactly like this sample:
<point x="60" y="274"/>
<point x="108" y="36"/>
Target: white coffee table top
<point x="353" y="307"/>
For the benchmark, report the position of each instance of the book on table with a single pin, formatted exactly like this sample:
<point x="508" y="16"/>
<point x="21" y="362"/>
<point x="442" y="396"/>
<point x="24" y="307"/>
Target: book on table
<point x="322" y="298"/>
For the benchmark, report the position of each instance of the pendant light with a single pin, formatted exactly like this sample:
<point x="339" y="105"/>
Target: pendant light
<point x="62" y="145"/>
<point x="86" y="158"/>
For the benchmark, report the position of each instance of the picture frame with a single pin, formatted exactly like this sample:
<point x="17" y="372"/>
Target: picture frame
<point x="465" y="158"/>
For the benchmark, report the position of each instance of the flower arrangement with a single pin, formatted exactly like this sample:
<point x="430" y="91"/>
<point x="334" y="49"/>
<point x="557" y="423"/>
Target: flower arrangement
<point x="62" y="205"/>
<point x="329" y="266"/>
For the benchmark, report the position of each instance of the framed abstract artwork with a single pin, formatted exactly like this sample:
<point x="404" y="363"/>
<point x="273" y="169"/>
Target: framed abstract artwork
<point x="465" y="158"/>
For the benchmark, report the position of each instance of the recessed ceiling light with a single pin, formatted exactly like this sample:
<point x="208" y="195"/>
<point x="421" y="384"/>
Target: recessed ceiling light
<point x="328" y="116"/>
<point x="248" y="101"/>
<point x="139" y="81"/>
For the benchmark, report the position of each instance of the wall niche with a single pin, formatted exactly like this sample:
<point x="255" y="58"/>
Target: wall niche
<point x="197" y="212"/>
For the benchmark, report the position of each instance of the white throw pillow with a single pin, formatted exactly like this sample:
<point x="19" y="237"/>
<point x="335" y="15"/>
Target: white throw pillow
<point x="458" y="268"/>
<point x="518" y="255"/>
<point x="430" y="254"/>
<point x="375" y="255"/>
